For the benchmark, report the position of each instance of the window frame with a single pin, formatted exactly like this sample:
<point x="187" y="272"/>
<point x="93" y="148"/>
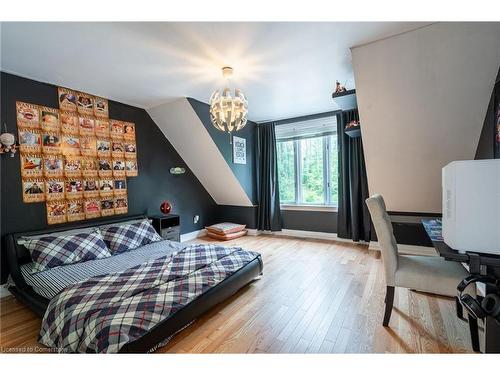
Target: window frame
<point x="298" y="204"/>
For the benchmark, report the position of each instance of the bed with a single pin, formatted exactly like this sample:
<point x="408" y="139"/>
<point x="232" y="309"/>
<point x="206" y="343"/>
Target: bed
<point x="170" y="283"/>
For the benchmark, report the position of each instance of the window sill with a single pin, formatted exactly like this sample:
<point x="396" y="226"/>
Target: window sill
<point x="307" y="207"/>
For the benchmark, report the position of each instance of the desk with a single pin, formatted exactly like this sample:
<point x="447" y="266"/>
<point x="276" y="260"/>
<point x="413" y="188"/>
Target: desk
<point x="479" y="264"/>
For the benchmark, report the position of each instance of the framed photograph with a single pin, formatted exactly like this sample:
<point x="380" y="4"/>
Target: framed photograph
<point x="33" y="190"/>
<point x="73" y="188"/>
<point x="117" y="149"/>
<point x="69" y="123"/>
<point x="85" y="104"/>
<point x="131" y="169"/>
<point x="116" y="129"/>
<point x="130" y="150"/>
<point x="118" y="168"/>
<point x="54" y="189"/>
<point x="120" y="187"/>
<point x="88" y="146"/>
<point x="72" y="167"/>
<point x="75" y="210"/>
<point x="30" y="141"/>
<point x="50" y="119"/>
<point x="103" y="148"/>
<point x="129" y="131"/>
<point x="28" y="115"/>
<point x="51" y="143"/>
<point x="89" y="167"/>
<point x="53" y="166"/>
<point x="101" y="107"/>
<point x="70" y="144"/>
<point x="101" y="128"/>
<point x="86" y="126"/>
<point x="67" y="99"/>
<point x="239" y="150"/>
<point x="107" y="207"/>
<point x="92" y="208"/>
<point x="121" y="205"/>
<point x="106" y="188"/>
<point x="31" y="165"/>
<point x="56" y="212"/>
<point x="90" y="188"/>
<point x="105" y="168"/>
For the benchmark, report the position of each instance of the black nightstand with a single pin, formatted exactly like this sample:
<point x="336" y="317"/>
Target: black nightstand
<point x="167" y="226"/>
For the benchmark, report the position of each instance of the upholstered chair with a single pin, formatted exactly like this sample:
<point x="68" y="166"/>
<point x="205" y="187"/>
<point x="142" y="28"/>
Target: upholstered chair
<point x="421" y="273"/>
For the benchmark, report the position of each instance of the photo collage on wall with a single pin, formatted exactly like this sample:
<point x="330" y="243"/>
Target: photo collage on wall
<point x="75" y="158"/>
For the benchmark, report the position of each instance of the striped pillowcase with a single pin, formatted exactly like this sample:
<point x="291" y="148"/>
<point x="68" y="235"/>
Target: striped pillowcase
<point x="121" y="238"/>
<point x="54" y="251"/>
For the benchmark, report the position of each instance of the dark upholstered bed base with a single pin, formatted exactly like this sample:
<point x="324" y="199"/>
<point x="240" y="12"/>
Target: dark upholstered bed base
<point x="17" y="255"/>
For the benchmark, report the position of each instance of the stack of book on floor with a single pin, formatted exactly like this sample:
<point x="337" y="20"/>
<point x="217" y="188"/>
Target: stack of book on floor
<point x="226" y="231"/>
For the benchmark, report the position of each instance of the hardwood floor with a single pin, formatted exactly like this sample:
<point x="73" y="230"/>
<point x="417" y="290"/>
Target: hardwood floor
<point x="314" y="297"/>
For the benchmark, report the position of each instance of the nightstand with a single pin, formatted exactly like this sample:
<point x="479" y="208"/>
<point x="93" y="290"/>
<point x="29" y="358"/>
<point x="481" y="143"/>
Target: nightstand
<point x="167" y="226"/>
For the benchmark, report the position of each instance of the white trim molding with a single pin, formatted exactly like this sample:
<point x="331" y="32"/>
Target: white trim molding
<point x="305" y="207"/>
<point x="4" y="292"/>
<point x="313" y="235"/>
<point x="192" y="235"/>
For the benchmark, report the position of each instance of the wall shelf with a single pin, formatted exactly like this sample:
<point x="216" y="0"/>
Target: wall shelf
<point x="345" y="100"/>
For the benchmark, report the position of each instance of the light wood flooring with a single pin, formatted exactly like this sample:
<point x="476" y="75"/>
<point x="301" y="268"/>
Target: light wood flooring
<point x="314" y="297"/>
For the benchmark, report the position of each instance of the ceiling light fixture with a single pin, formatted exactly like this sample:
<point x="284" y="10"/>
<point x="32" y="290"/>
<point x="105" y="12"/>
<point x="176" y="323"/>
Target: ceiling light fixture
<point x="228" y="113"/>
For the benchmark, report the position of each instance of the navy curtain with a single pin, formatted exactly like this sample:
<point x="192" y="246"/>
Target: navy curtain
<point x="268" y="212"/>
<point x="353" y="216"/>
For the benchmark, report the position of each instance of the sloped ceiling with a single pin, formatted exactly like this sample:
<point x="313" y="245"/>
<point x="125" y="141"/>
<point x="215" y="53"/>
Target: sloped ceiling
<point x="422" y="100"/>
<point x="183" y="128"/>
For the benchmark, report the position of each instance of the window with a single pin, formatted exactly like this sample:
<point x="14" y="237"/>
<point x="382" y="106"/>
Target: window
<point x="307" y="162"/>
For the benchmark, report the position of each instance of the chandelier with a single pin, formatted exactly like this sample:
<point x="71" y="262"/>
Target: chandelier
<point x="228" y="113"/>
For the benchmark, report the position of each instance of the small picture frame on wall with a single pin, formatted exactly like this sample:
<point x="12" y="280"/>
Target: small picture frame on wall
<point x="118" y="168"/>
<point x="70" y="144"/>
<point x="102" y="128"/>
<point x="28" y="115"/>
<point x="51" y="143"/>
<point x="85" y="104"/>
<point x="116" y="129"/>
<point x="91" y="188"/>
<point x="69" y="123"/>
<point x="106" y="188"/>
<point x="33" y="190"/>
<point x="121" y="205"/>
<point x="31" y="165"/>
<point x="53" y="166"/>
<point x="50" y="119"/>
<point x="92" y="208"/>
<point x="129" y="131"/>
<point x="56" y="212"/>
<point x="54" y="189"/>
<point x="239" y="150"/>
<point x="73" y="188"/>
<point x="89" y="167"/>
<point x="131" y="169"/>
<point x="88" y="146"/>
<point x="75" y="210"/>
<point x="72" y="166"/>
<point x="86" y="125"/>
<point x="107" y="207"/>
<point x="67" y="99"/>
<point x="30" y="141"/>
<point x="105" y="168"/>
<point x="101" y="107"/>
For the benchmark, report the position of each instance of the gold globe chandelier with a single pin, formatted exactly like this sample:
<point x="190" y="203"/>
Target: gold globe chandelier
<point x="228" y="113"/>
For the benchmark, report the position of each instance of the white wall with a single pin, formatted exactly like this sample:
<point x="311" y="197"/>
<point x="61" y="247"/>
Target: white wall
<point x="422" y="100"/>
<point x="182" y="127"/>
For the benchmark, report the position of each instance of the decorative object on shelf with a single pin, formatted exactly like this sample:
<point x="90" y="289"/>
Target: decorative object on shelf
<point x="8" y="143"/>
<point x="228" y="113"/>
<point x="346" y="100"/>
<point x="239" y="150"/>
<point x="339" y="88"/>
<point x="177" y="170"/>
<point x="165" y="207"/>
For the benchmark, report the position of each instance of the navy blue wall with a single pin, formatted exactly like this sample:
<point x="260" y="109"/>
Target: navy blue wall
<point x="145" y="192"/>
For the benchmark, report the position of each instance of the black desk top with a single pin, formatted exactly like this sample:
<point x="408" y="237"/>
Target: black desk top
<point x="433" y="227"/>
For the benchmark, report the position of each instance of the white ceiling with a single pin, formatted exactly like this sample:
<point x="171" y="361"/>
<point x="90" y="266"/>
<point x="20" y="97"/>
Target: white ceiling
<point x="285" y="69"/>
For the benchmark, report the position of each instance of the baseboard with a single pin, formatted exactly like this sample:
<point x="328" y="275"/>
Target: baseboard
<point x="4" y="292"/>
<point x="253" y="232"/>
<point x="407" y="249"/>
<point x="312" y="235"/>
<point x="192" y="235"/>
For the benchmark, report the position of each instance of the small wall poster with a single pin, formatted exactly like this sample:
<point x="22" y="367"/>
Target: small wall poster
<point x="239" y="150"/>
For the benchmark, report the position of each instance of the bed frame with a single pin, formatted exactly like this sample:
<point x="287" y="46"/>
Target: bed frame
<point x="17" y="255"/>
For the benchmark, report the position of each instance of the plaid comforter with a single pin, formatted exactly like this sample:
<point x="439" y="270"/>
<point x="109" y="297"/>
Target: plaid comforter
<point x="103" y="313"/>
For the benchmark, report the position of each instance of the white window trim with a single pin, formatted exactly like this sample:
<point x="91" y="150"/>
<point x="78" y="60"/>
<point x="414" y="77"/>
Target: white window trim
<point x="309" y="207"/>
<point x="296" y="206"/>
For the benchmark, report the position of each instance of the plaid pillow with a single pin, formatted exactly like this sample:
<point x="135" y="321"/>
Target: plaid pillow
<point x="53" y="251"/>
<point x="121" y="238"/>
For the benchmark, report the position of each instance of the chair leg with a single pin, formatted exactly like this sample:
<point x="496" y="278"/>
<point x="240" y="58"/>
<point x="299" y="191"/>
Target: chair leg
<point x="389" y="300"/>
<point x="474" y="333"/>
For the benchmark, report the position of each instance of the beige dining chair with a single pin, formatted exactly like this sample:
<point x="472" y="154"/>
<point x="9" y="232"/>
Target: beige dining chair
<point x="421" y="273"/>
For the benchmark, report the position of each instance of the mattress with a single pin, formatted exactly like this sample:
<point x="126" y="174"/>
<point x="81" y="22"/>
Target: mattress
<point x="50" y="282"/>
